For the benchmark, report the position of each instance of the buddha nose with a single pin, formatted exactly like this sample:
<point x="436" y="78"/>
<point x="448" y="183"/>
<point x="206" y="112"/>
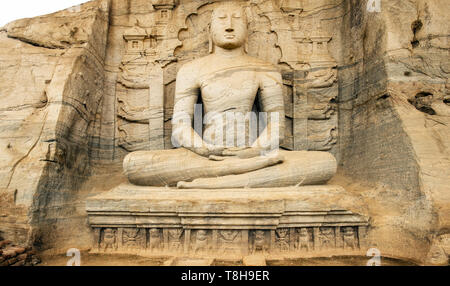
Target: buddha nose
<point x="229" y="26"/>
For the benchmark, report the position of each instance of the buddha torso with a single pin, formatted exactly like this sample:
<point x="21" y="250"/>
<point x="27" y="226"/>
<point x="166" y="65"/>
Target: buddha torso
<point x="228" y="88"/>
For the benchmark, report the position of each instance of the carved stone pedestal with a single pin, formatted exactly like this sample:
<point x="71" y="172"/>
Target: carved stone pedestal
<point x="294" y="222"/>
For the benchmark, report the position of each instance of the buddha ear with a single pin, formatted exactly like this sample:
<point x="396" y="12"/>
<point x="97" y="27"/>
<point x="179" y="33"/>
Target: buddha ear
<point x="211" y="45"/>
<point x="249" y="17"/>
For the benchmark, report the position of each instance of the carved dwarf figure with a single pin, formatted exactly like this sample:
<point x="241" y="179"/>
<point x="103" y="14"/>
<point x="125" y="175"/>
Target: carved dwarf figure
<point x="130" y="237"/>
<point x="175" y="243"/>
<point x="201" y="241"/>
<point x="227" y="238"/>
<point x="282" y="243"/>
<point x="349" y="238"/>
<point x="109" y="239"/>
<point x="155" y="239"/>
<point x="259" y="244"/>
<point x="326" y="237"/>
<point x="303" y="240"/>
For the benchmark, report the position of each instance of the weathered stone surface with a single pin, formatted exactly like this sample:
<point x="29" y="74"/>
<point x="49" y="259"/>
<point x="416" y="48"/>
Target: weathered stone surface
<point x="50" y="101"/>
<point x="76" y="101"/>
<point x="390" y="136"/>
<point x="61" y="30"/>
<point x="191" y="262"/>
<point x="254" y="260"/>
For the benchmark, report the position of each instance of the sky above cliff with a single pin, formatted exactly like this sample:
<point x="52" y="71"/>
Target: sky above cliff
<point x="17" y="9"/>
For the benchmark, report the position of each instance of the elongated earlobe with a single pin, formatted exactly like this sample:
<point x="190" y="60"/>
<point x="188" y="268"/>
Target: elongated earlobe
<point x="211" y="45"/>
<point x="248" y="13"/>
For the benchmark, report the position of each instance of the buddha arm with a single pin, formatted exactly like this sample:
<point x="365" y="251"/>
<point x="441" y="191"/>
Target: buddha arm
<point x="271" y="101"/>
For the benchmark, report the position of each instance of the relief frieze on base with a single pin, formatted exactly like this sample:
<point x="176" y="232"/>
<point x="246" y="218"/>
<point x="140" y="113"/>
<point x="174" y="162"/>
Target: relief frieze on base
<point x="229" y="242"/>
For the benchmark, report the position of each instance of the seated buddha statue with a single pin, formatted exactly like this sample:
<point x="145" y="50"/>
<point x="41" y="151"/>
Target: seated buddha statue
<point x="229" y="83"/>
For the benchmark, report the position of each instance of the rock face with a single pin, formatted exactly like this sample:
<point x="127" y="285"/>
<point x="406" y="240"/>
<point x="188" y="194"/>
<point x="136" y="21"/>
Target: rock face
<point x="82" y="88"/>
<point x="51" y="86"/>
<point x="394" y="113"/>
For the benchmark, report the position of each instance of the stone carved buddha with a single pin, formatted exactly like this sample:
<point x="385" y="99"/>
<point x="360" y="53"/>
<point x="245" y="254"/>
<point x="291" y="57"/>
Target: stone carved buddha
<point x="229" y="154"/>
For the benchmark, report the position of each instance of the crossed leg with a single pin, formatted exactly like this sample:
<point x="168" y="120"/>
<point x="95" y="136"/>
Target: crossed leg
<point x="168" y="167"/>
<point x="298" y="168"/>
<point x="187" y="170"/>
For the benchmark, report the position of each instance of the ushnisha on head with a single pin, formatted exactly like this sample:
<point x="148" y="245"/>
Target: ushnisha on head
<point x="229" y="26"/>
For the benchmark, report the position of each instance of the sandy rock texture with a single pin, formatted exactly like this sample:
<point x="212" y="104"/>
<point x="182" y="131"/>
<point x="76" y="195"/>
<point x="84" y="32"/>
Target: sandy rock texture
<point x="51" y="88"/>
<point x="394" y="118"/>
<point x="73" y="105"/>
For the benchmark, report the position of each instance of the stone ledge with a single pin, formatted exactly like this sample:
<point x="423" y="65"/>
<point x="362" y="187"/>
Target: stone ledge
<point x="131" y="219"/>
<point x="130" y="198"/>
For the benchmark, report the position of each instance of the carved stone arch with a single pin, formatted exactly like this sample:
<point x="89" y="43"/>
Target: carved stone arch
<point x="195" y="42"/>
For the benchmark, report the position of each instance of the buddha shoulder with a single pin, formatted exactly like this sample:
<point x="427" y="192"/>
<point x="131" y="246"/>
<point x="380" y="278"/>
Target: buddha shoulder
<point x="195" y="67"/>
<point x="258" y="62"/>
<point x="212" y="63"/>
<point x="189" y="67"/>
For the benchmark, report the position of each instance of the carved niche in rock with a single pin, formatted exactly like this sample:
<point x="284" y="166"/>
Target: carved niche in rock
<point x="140" y="93"/>
<point x="279" y="33"/>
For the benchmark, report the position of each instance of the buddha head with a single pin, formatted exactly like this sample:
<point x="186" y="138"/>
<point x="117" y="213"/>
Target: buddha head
<point x="229" y="26"/>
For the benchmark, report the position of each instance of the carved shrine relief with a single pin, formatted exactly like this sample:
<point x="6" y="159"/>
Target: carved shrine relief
<point x="312" y="73"/>
<point x="140" y="93"/>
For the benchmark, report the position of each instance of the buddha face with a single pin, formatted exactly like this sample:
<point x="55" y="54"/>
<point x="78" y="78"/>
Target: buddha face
<point x="229" y="26"/>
